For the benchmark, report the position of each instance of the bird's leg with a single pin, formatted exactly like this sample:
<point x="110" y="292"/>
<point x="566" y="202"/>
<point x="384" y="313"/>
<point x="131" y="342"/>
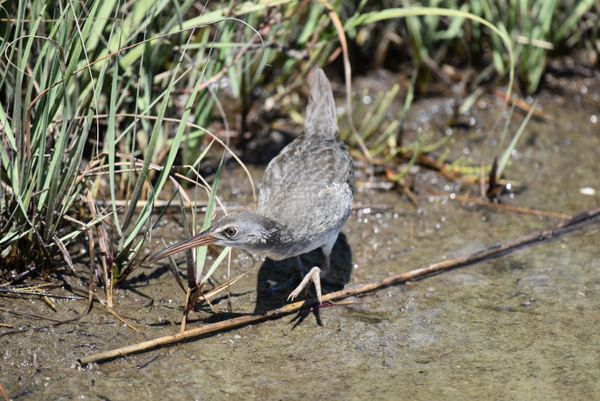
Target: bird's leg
<point x="313" y="275"/>
<point x="333" y="281"/>
<point x="327" y="263"/>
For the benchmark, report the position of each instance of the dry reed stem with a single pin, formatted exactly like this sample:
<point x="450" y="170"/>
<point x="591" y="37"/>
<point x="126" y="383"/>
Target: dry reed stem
<point x="341" y="32"/>
<point x="466" y="200"/>
<point x="494" y="251"/>
<point x="3" y="393"/>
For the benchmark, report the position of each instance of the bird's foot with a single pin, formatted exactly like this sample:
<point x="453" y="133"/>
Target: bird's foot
<point x="314" y="276"/>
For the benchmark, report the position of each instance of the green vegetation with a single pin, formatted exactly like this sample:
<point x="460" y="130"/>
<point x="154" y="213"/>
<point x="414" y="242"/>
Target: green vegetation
<point x="537" y="28"/>
<point x="113" y="102"/>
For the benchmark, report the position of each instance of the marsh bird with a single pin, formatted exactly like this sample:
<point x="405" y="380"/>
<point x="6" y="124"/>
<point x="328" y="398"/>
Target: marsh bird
<point x="304" y="200"/>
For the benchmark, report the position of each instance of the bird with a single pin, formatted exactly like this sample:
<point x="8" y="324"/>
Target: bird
<point x="304" y="200"/>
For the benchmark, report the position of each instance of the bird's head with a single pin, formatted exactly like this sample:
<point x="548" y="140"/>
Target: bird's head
<point x="245" y="230"/>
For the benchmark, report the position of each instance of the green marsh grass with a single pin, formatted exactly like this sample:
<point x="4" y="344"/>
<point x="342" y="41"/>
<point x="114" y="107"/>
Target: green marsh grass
<point x="83" y="123"/>
<point x="536" y="28"/>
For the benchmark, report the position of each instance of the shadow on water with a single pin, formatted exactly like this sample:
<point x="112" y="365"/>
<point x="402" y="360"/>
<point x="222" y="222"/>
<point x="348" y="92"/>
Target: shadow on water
<point x="272" y="272"/>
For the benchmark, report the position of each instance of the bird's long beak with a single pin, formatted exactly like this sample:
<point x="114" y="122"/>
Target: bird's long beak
<point x="198" y="240"/>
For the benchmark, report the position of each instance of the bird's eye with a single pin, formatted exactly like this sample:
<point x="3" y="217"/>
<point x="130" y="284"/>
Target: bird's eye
<point x="230" y="232"/>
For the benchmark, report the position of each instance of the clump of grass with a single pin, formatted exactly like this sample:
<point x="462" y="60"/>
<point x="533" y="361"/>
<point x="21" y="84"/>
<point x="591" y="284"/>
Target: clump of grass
<point x="83" y="120"/>
<point x="537" y="28"/>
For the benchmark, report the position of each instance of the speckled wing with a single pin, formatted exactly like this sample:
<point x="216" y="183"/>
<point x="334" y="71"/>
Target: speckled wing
<point x="307" y="187"/>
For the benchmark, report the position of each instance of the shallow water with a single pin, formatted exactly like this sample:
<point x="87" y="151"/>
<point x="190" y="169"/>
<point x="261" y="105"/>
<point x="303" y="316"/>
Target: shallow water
<point x="524" y="326"/>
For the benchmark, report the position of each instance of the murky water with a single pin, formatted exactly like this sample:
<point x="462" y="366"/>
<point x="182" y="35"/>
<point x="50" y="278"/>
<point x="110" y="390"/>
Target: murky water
<point x="525" y="326"/>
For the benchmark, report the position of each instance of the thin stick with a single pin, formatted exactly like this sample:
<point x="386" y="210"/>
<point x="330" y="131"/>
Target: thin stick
<point x="3" y="393"/>
<point x="122" y="319"/>
<point x="30" y="315"/>
<point x="494" y="251"/>
<point x="507" y="208"/>
<point x="186" y="310"/>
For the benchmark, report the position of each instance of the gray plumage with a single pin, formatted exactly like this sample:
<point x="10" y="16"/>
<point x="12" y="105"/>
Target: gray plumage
<point x="321" y="117"/>
<point x="307" y="186"/>
<point x="305" y="197"/>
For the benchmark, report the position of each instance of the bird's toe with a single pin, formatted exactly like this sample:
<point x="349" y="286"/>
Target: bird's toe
<point x="294" y="294"/>
<point x="314" y="276"/>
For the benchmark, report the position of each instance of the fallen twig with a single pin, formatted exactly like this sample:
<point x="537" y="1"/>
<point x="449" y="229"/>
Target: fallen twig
<point x="3" y="393"/>
<point x="30" y="315"/>
<point x="465" y="200"/>
<point x="524" y="106"/>
<point x="23" y="293"/>
<point x="494" y="251"/>
<point x="122" y="319"/>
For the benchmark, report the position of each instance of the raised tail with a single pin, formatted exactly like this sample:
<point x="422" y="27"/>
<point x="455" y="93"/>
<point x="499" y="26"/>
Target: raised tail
<point x="321" y="117"/>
